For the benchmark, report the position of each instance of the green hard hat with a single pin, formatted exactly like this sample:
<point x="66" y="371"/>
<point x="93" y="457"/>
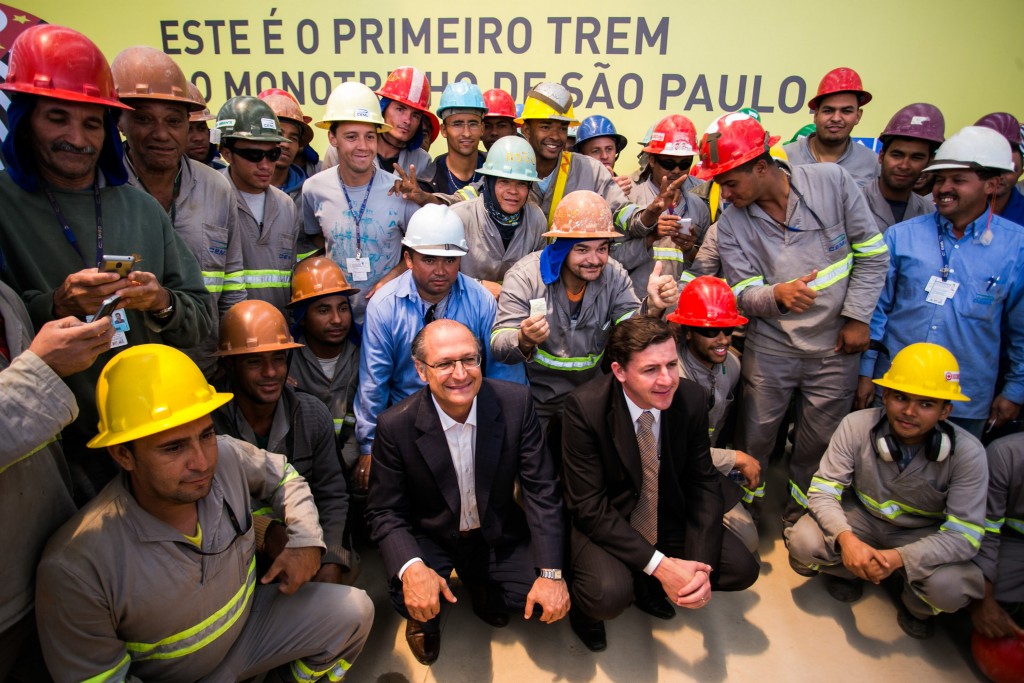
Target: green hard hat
<point x="511" y="157"/>
<point x="802" y="133"/>
<point x="249" y="118"/>
<point x="752" y="113"/>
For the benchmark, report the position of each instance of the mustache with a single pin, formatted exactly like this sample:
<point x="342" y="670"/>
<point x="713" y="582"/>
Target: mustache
<point x="63" y="146"/>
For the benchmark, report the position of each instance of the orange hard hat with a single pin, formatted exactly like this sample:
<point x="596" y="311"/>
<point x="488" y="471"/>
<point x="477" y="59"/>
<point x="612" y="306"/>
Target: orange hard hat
<point x="145" y="73"/>
<point x="253" y="326"/>
<point x="318" y="276"/>
<point x="583" y="214"/>
<point x="287" y="109"/>
<point x="707" y="302"/>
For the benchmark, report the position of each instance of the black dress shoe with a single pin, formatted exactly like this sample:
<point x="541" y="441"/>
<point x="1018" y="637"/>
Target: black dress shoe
<point x="590" y="631"/>
<point x="424" y="641"/>
<point x="655" y="605"/>
<point x="488" y="604"/>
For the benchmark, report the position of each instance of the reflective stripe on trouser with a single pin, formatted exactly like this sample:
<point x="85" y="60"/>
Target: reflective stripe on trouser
<point x="938" y="588"/>
<point x="314" y="634"/>
<point x="203" y="633"/>
<point x="118" y="673"/>
<point x="825" y="389"/>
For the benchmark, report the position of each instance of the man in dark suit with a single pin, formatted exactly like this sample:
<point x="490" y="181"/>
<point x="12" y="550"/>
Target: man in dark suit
<point x="642" y="490"/>
<point x="442" y="494"/>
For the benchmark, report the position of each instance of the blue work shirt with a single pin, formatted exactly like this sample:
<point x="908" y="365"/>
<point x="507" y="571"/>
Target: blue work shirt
<point x="1014" y="209"/>
<point x="394" y="315"/>
<point x="987" y="308"/>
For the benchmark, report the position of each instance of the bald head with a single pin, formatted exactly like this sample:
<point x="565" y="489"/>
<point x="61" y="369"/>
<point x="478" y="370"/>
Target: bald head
<point x="438" y="334"/>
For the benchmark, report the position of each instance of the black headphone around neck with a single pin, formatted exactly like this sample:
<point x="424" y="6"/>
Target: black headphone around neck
<point x="938" y="445"/>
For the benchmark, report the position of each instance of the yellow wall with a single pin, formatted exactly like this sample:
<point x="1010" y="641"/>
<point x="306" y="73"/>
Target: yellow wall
<point x="966" y="58"/>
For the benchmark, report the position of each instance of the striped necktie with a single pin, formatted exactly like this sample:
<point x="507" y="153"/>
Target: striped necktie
<point x="645" y="516"/>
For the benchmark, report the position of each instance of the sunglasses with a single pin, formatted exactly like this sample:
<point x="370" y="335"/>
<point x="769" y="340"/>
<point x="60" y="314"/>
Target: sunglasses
<point x="257" y="155"/>
<point x="671" y="164"/>
<point x="712" y="332"/>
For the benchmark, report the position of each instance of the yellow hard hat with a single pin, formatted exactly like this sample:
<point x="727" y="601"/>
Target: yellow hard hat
<point x="924" y="369"/>
<point x="148" y="389"/>
<point x="548" y="101"/>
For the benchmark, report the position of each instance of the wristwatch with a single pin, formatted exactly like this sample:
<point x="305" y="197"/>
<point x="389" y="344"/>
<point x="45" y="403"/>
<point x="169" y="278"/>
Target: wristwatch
<point x="164" y="313"/>
<point x="553" y="574"/>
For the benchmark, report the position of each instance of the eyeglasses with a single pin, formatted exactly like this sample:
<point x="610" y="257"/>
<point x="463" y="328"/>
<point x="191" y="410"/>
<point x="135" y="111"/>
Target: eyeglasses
<point x="257" y="155"/>
<point x="473" y="126"/>
<point x="447" y="367"/>
<point x="712" y="332"/>
<point x="670" y="164"/>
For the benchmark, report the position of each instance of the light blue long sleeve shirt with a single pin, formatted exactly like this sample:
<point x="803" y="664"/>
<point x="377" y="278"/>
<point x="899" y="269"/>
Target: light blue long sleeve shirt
<point x="987" y="309"/>
<point x="394" y="315"/>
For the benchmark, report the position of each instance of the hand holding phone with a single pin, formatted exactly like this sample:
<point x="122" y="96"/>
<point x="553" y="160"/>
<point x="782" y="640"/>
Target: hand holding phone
<point x="122" y="265"/>
<point x="109" y="304"/>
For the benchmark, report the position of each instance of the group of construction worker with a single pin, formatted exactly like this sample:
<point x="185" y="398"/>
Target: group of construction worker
<point x="511" y="365"/>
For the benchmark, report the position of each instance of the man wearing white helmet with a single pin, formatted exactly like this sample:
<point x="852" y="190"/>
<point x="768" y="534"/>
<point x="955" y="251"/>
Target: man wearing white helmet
<point x="502" y="225"/>
<point x="348" y="210"/>
<point x="956" y="278"/>
<point x="432" y="288"/>
<point x="461" y="113"/>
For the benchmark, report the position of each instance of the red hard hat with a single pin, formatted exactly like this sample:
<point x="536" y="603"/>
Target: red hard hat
<point x="842" y="79"/>
<point x="1000" y="659"/>
<point x="499" y="104"/>
<point x="410" y="86"/>
<point x="1005" y="124"/>
<point x="921" y="121"/>
<point x="58" y="62"/>
<point x="730" y="141"/>
<point x="673" y="136"/>
<point x="707" y="302"/>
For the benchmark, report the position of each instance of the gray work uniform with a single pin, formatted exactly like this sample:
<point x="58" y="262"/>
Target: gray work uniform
<point x="572" y="353"/>
<point x="488" y="259"/>
<point x="586" y="173"/>
<point x="638" y="256"/>
<point x="932" y="513"/>
<point x="882" y="211"/>
<point x="1001" y="557"/>
<point x="720" y="382"/>
<point x="124" y="596"/>
<point x="859" y="161"/>
<point x="205" y="218"/>
<point x="301" y="431"/>
<point x="268" y="247"/>
<point x="829" y="229"/>
<point x="336" y="392"/>
<point x="35" y="405"/>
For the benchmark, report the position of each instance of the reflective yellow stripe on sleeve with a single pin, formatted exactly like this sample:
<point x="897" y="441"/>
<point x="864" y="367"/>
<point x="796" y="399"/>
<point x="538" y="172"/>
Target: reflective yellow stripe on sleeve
<point x="264" y="279"/>
<point x="289" y="474"/>
<point x="568" y="364"/>
<point x="756" y="281"/>
<point x="827" y="487"/>
<point x="30" y="453"/>
<point x="833" y="274"/>
<point x="869" y="247"/>
<point x="972" y="532"/>
<point x="668" y="254"/>
<point x="892" y="509"/>
<point x="994" y="526"/>
<point x="214" y="280"/>
<point x="797" y="494"/>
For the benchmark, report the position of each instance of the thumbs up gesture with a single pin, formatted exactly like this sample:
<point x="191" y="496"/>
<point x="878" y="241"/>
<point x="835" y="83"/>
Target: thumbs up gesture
<point x="796" y="296"/>
<point x="662" y="291"/>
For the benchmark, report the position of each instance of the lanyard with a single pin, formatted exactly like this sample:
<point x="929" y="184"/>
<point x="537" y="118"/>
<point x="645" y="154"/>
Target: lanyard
<point x="814" y="214"/>
<point x="68" y="234"/>
<point x="942" y="250"/>
<point x="362" y="210"/>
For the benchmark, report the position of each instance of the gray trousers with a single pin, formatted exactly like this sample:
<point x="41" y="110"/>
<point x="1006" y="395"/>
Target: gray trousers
<point x="1009" y="584"/>
<point x="315" y="633"/>
<point x="946" y="589"/>
<point x="825" y="386"/>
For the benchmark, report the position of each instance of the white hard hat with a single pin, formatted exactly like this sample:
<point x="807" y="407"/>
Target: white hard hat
<point x="353" y="101"/>
<point x="974" y="147"/>
<point x="436" y="230"/>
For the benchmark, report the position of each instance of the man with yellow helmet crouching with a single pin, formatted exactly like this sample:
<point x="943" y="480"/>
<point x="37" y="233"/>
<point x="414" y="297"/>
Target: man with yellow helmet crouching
<point x="155" y="578"/>
<point x="919" y="490"/>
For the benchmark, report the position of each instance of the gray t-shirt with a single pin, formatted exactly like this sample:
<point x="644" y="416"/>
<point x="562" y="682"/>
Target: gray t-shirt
<point x="378" y="237"/>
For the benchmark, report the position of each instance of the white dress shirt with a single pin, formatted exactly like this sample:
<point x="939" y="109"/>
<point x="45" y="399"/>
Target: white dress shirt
<point x="461" y="439"/>
<point x="635" y="412"/>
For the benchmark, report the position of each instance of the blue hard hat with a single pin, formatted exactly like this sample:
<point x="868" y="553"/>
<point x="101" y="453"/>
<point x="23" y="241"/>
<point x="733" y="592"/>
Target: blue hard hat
<point x="461" y="95"/>
<point x="598" y="127"/>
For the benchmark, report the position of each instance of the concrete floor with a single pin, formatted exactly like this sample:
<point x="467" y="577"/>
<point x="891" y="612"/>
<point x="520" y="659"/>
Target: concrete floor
<point x="785" y="627"/>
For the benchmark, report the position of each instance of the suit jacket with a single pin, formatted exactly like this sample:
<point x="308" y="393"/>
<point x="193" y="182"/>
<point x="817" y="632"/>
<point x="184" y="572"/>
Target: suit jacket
<point x="602" y="474"/>
<point x="414" y="490"/>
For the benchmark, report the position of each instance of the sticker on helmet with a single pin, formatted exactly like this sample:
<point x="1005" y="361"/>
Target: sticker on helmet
<point x="269" y="123"/>
<point x="952" y="376"/>
<point x="226" y="123"/>
<point x="362" y="114"/>
<point x="918" y="120"/>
